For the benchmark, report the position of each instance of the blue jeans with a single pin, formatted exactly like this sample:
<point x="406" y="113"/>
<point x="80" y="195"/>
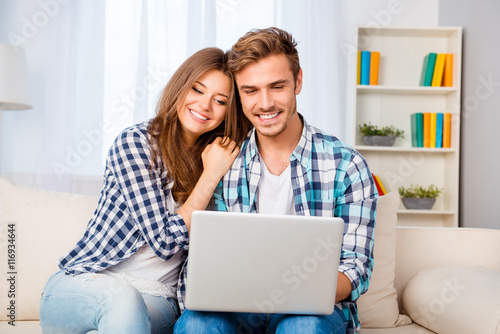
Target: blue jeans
<point x="86" y="302"/>
<point x="246" y="323"/>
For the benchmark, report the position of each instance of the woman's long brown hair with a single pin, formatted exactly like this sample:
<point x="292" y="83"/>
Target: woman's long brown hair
<point x="184" y="165"/>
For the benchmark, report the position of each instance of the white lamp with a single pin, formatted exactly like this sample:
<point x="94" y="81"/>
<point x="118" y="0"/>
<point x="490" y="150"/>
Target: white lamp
<point x="14" y="92"/>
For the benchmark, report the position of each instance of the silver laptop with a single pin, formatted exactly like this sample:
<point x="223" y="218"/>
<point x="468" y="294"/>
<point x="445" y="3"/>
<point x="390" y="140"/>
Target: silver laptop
<point x="248" y="262"/>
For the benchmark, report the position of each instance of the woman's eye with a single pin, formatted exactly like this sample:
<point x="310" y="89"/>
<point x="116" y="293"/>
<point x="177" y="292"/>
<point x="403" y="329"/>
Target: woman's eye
<point x="223" y="103"/>
<point x="197" y="90"/>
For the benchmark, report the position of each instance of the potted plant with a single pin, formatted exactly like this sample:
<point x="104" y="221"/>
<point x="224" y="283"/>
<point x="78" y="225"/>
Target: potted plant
<point x="384" y="136"/>
<point x="418" y="197"/>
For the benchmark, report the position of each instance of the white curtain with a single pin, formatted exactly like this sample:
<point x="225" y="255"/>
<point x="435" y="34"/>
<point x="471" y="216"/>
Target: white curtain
<point x="97" y="67"/>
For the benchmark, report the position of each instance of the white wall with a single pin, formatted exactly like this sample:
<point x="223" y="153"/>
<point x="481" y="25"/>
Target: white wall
<point x="480" y="158"/>
<point x="27" y="146"/>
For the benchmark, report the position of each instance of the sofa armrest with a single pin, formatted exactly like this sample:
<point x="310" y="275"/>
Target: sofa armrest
<point x="419" y="248"/>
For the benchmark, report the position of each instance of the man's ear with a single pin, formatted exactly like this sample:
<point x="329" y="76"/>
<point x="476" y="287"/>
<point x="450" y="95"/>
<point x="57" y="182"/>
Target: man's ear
<point x="298" y="83"/>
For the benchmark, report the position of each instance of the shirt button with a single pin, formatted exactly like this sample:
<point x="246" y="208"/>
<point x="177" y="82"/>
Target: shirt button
<point x="159" y="239"/>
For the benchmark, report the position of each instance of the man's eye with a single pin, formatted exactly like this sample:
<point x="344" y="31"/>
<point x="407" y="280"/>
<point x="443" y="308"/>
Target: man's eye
<point x="250" y="91"/>
<point x="278" y="87"/>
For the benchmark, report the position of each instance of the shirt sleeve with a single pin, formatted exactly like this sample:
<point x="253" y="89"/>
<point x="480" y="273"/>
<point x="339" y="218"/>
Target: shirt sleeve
<point x="219" y="204"/>
<point x="145" y="197"/>
<point x="356" y="204"/>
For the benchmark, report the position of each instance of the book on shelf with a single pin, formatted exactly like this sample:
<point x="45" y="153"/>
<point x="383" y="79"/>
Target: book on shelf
<point x="437" y="70"/>
<point x="414" y="130"/>
<point x="365" y="68"/>
<point x="427" y="130"/>
<point x="432" y="130"/>
<point x="374" y="66"/>
<point x="368" y="67"/>
<point x="417" y="124"/>
<point x="448" y="70"/>
<point x="428" y="69"/>
<point x="447" y="130"/>
<point x="380" y="187"/>
<point x="437" y="77"/>
<point x="359" y="68"/>
<point x="439" y="130"/>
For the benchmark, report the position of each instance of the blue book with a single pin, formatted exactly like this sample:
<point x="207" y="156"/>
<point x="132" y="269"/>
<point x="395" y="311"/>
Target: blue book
<point x="439" y="130"/>
<point x="365" y="67"/>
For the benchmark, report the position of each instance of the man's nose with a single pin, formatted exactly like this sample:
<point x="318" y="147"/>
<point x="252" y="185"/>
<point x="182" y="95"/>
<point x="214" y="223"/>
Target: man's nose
<point x="265" y="102"/>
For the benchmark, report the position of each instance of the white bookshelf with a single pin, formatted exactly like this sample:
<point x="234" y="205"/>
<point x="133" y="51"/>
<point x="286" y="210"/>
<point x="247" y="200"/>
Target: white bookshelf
<point x="394" y="99"/>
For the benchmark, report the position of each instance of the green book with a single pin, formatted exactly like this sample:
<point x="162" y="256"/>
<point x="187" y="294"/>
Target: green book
<point x="413" y="130"/>
<point x="424" y="70"/>
<point x="420" y="129"/>
<point x="428" y="69"/>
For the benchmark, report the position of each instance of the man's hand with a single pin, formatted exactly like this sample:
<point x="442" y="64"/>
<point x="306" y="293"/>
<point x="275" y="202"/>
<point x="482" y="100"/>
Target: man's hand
<point x="343" y="288"/>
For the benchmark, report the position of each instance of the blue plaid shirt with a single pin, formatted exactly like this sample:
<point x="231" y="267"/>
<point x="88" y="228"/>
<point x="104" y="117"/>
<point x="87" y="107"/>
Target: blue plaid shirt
<point x="329" y="179"/>
<point x="131" y="210"/>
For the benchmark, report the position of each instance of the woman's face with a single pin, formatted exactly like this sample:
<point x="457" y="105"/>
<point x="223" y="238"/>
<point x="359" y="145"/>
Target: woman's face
<point x="205" y="105"/>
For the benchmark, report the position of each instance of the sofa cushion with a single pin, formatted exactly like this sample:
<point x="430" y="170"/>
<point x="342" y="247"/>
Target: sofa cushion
<point x="455" y="300"/>
<point x="47" y="224"/>
<point x="378" y="307"/>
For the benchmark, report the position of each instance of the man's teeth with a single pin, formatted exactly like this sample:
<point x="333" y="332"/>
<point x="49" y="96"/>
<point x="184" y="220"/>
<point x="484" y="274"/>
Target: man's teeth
<point x="197" y="115"/>
<point x="268" y="116"/>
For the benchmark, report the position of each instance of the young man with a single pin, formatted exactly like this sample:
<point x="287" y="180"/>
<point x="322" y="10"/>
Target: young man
<point x="289" y="167"/>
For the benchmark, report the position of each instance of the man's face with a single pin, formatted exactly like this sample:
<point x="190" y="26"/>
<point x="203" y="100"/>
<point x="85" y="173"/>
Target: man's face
<point x="267" y="91"/>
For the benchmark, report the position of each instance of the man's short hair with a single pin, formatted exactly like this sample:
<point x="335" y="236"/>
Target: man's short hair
<point x="260" y="43"/>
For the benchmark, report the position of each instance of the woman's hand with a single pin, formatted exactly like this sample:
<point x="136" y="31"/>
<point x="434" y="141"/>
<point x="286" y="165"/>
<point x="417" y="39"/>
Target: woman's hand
<point x="217" y="159"/>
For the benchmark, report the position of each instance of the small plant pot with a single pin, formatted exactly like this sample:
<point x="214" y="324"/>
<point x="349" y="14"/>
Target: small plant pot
<point x="418" y="203"/>
<point x="379" y="140"/>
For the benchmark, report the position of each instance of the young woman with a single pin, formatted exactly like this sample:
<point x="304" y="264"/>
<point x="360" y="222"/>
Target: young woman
<point x="122" y="275"/>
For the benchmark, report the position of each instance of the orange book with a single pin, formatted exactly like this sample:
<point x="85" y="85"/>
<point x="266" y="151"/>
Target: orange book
<point x="446" y="130"/>
<point x="374" y="65"/>
<point x="448" y="70"/>
<point x="437" y="77"/>
<point x="433" y="130"/>
<point x="359" y="68"/>
<point x="427" y="129"/>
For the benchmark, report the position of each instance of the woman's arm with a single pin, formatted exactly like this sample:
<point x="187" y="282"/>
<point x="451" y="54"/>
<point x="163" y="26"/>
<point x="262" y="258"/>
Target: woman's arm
<point x="142" y="188"/>
<point x="217" y="160"/>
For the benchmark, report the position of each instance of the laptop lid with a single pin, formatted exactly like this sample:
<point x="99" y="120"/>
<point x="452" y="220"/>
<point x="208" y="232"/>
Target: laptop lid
<point x="248" y="262"/>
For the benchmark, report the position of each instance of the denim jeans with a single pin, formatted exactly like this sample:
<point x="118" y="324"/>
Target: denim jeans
<point x="246" y="323"/>
<point x="86" y="302"/>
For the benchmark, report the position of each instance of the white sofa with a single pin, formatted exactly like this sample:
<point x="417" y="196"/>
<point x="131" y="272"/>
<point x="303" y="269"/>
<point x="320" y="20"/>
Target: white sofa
<point x="425" y="280"/>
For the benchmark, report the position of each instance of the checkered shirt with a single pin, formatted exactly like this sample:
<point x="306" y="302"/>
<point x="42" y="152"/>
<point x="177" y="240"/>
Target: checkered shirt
<point x="329" y="178"/>
<point x="131" y="209"/>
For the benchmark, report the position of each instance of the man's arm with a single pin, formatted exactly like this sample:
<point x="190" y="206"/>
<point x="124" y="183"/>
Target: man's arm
<point x="356" y="199"/>
<point x="344" y="288"/>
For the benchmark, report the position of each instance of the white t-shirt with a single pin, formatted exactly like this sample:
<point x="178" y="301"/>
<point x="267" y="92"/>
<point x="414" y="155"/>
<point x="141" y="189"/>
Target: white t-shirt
<point x="147" y="272"/>
<point x="275" y="192"/>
